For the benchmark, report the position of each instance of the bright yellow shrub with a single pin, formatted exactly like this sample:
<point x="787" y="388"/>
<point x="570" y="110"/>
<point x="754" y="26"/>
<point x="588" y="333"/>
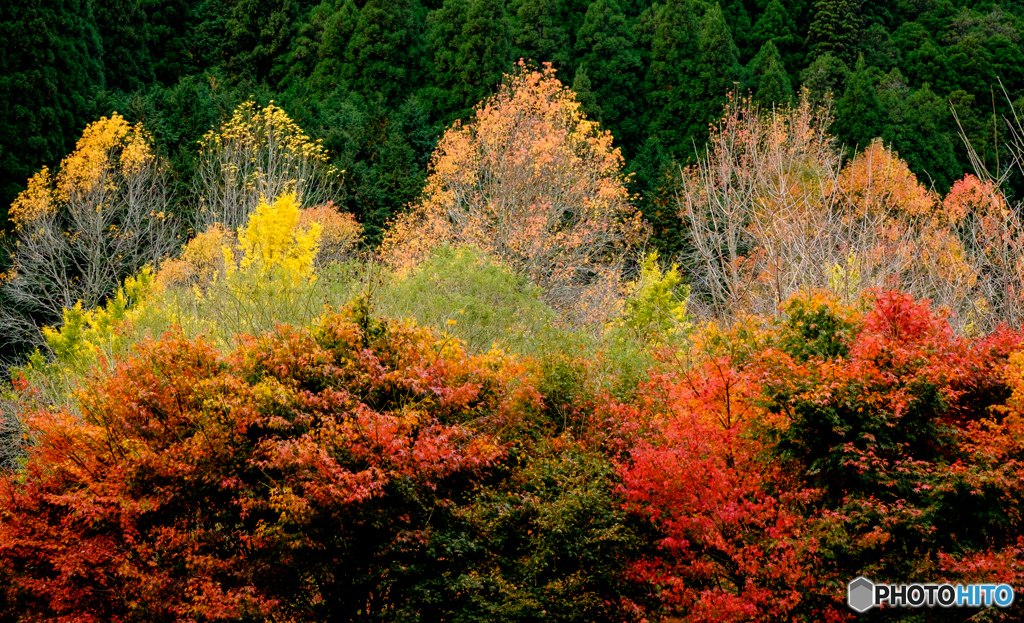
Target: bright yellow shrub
<point x="273" y="239"/>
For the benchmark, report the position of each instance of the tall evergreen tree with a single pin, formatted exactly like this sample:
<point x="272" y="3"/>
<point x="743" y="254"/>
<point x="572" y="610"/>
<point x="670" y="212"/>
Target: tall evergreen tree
<point x="543" y="32"/>
<point x="184" y="37"/>
<point x="859" y="116"/>
<point x="917" y="125"/>
<point x="672" y="80"/>
<point x="257" y="38"/>
<point x="50" y="70"/>
<point x="486" y="49"/>
<point x="606" y="46"/>
<point x="738" y="18"/>
<point x="825" y="78"/>
<point x="444" y="42"/>
<point x="777" y="25"/>
<point x="718" y="65"/>
<point x="471" y="49"/>
<point x="390" y="172"/>
<point x="318" y="53"/>
<point x="385" y="53"/>
<point x="769" y="77"/>
<point x="835" y="29"/>
<point x="585" y="94"/>
<point x="126" y="62"/>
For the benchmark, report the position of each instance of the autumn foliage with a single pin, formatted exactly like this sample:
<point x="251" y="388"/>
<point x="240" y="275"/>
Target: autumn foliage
<point x="211" y="439"/>
<point x="535" y="184"/>
<point x="850" y="443"/>
<point x="203" y="487"/>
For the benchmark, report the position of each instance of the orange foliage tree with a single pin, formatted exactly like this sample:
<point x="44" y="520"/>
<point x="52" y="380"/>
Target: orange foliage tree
<point x="845" y="443"/>
<point x="532" y="182"/>
<point x="258" y="485"/>
<point x="771" y="208"/>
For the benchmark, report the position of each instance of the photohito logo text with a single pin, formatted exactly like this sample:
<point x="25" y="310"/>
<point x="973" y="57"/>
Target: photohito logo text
<point x="863" y="594"/>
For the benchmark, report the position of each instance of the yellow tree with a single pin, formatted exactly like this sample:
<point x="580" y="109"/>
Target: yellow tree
<point x="78" y="233"/>
<point x="259" y="153"/>
<point x="534" y="184"/>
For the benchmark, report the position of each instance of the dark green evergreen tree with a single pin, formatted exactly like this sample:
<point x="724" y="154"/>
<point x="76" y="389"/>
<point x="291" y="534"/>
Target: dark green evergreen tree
<point x="258" y="35"/>
<point x="859" y="116"/>
<point x="777" y="25"/>
<point x="318" y="53"/>
<point x="50" y="71"/>
<point x="877" y="47"/>
<point x="719" y="68"/>
<point x="606" y="46"/>
<point x="673" y="78"/>
<point x="389" y="168"/>
<point x="486" y="49"/>
<point x="769" y="77"/>
<point x="917" y="125"/>
<point x="585" y="95"/>
<point x="386" y="51"/>
<point x="738" y="18"/>
<point x="543" y="32"/>
<point x="444" y="42"/>
<point x="651" y="172"/>
<point x="471" y="49"/>
<point x="835" y="28"/>
<point x="126" y="62"/>
<point x="825" y="78"/>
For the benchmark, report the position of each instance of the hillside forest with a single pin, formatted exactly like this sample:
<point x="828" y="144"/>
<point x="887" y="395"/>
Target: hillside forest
<point x="508" y="311"/>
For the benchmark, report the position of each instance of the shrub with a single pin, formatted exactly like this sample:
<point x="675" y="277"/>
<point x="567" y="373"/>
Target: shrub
<point x="462" y="292"/>
<point x="276" y="482"/>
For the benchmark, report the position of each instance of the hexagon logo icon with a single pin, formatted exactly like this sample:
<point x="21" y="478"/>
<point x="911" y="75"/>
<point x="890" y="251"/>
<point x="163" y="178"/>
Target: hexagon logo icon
<point x="860" y="594"/>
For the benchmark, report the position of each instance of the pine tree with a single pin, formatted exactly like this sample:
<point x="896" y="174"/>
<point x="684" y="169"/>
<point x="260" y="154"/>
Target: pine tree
<point x="257" y="39"/>
<point x="486" y="49"/>
<point x="126" y="61"/>
<point x="650" y="175"/>
<point x="50" y="69"/>
<point x="444" y="42"/>
<point x="184" y="37"/>
<point x="718" y="64"/>
<point x="835" y="28"/>
<point x="825" y="78"/>
<point x="859" y="116"/>
<point x="606" y="46"/>
<point x="769" y="76"/>
<point x="778" y="26"/>
<point x="739" y="23"/>
<point x="672" y="80"/>
<point x="917" y="125"/>
<point x="385" y="52"/>
<point x="471" y="49"/>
